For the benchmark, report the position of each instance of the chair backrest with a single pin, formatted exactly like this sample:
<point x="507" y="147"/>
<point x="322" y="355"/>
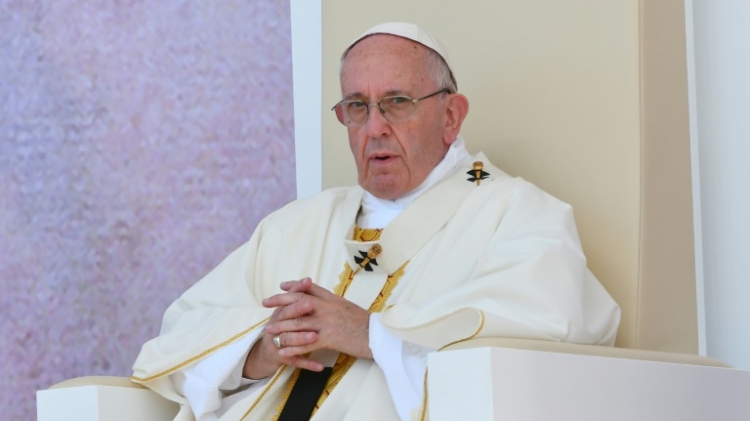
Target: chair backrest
<point x="588" y="100"/>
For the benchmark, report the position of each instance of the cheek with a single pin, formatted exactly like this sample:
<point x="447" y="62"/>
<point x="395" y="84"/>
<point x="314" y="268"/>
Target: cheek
<point x="412" y="143"/>
<point x="354" y="142"/>
<point x="357" y="146"/>
<point x="424" y="150"/>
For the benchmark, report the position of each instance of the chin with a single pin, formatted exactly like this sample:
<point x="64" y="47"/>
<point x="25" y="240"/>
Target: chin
<point x="385" y="186"/>
<point x="390" y="194"/>
<point x="382" y="192"/>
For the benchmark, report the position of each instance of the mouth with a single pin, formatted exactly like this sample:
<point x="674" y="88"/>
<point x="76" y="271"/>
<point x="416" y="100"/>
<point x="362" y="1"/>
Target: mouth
<point x="382" y="158"/>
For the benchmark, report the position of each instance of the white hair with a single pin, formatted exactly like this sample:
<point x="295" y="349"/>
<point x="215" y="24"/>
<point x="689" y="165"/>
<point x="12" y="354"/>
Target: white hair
<point x="439" y="71"/>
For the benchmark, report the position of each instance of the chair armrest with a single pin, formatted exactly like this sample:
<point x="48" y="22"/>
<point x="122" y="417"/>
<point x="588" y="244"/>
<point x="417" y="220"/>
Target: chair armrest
<point x="593" y="350"/>
<point x="103" y="398"/>
<point x="527" y="380"/>
<point x="97" y="381"/>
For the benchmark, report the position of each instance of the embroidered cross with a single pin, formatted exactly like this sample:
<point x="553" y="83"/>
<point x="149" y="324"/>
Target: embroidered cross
<point x="477" y="174"/>
<point x="367" y="258"/>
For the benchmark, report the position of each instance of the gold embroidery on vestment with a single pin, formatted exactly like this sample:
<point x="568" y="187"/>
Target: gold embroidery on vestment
<point x="344" y="362"/>
<point x="365" y="235"/>
<point x="287" y="391"/>
<point x="425" y="398"/>
<point x="473" y="335"/>
<point x="265" y="390"/>
<point x="423" y="414"/>
<point x="199" y="356"/>
<point x="390" y="284"/>
<point x="368" y="257"/>
<point x="345" y="280"/>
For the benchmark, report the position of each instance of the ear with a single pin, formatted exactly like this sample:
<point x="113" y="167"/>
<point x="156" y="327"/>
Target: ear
<point x="455" y="113"/>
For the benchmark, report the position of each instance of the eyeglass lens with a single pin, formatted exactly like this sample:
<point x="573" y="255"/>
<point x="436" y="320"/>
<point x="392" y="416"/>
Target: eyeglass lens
<point x="395" y="109"/>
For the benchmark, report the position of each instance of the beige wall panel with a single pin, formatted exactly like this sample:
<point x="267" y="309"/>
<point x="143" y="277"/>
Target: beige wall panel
<point x="667" y="319"/>
<point x="554" y="92"/>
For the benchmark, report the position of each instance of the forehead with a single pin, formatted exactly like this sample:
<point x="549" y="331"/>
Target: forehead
<point x="384" y="63"/>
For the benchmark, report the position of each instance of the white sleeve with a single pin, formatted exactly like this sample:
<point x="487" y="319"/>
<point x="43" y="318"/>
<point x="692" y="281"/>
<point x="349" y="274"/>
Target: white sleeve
<point x="403" y="365"/>
<point x="202" y="383"/>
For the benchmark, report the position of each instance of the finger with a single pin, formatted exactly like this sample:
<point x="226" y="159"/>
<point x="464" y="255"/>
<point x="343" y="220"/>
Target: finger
<point x="304" y="363"/>
<point x="318" y="291"/>
<point x="283" y="299"/>
<point x="297" y="338"/>
<point x="295" y="324"/>
<point x="276" y="315"/>
<point x="297" y="351"/>
<point x="296" y="286"/>
<point x="292" y="311"/>
<point x="295" y="311"/>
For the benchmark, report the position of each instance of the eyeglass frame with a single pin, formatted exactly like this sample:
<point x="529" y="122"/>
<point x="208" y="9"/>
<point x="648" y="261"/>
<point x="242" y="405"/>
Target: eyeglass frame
<point x="382" y="111"/>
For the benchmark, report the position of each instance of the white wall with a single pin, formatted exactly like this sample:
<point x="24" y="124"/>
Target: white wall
<point x="722" y="68"/>
<point x="720" y="102"/>
<point x="306" y="54"/>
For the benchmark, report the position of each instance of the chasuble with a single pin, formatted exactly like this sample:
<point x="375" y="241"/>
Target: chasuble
<point x="479" y="254"/>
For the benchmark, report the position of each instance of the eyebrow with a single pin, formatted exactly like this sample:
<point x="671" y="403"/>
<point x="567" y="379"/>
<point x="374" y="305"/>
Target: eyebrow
<point x="359" y="95"/>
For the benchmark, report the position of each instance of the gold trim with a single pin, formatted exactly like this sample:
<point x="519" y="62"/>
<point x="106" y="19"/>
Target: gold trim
<point x="289" y="386"/>
<point x="343" y="365"/>
<point x="423" y="414"/>
<point x="378" y="305"/>
<point x="199" y="356"/>
<point x="345" y="280"/>
<point x="473" y="335"/>
<point x="425" y="397"/>
<point x="268" y="387"/>
<point x="366" y="235"/>
<point x="344" y="362"/>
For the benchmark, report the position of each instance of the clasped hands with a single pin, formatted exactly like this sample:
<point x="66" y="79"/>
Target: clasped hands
<point x="307" y="317"/>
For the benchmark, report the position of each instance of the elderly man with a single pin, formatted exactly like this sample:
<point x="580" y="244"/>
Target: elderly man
<point x="330" y="309"/>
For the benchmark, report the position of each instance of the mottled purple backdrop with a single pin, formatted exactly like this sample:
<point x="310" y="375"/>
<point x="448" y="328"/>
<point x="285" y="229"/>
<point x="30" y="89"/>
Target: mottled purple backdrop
<point x="140" y="143"/>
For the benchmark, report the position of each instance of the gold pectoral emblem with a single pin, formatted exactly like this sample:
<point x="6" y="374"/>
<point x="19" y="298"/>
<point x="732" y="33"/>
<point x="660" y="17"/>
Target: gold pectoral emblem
<point x="367" y="259"/>
<point x="477" y="173"/>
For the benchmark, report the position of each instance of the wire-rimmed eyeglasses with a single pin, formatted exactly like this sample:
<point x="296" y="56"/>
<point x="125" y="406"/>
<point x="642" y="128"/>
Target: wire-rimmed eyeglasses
<point x="395" y="109"/>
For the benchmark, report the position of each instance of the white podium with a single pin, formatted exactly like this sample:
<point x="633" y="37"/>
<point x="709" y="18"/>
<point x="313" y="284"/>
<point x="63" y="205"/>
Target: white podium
<point x="102" y="399"/>
<point x="506" y="384"/>
<point x="495" y="380"/>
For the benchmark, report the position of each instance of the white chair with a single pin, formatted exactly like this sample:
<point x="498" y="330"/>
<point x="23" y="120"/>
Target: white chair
<point x="587" y="99"/>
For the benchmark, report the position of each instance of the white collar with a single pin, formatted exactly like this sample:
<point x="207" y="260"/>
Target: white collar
<point x="378" y="213"/>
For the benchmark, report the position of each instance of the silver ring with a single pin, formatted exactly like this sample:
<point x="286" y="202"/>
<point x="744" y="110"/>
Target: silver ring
<point x="277" y="341"/>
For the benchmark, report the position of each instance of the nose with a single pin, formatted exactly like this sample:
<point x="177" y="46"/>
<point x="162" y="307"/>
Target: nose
<point x="376" y="124"/>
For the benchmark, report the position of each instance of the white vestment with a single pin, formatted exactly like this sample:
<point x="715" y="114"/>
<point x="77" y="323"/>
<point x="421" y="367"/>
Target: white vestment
<point x="495" y="258"/>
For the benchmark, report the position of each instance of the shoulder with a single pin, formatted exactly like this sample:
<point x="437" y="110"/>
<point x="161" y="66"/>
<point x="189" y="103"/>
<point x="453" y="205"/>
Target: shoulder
<point x="516" y="208"/>
<point x="515" y="189"/>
